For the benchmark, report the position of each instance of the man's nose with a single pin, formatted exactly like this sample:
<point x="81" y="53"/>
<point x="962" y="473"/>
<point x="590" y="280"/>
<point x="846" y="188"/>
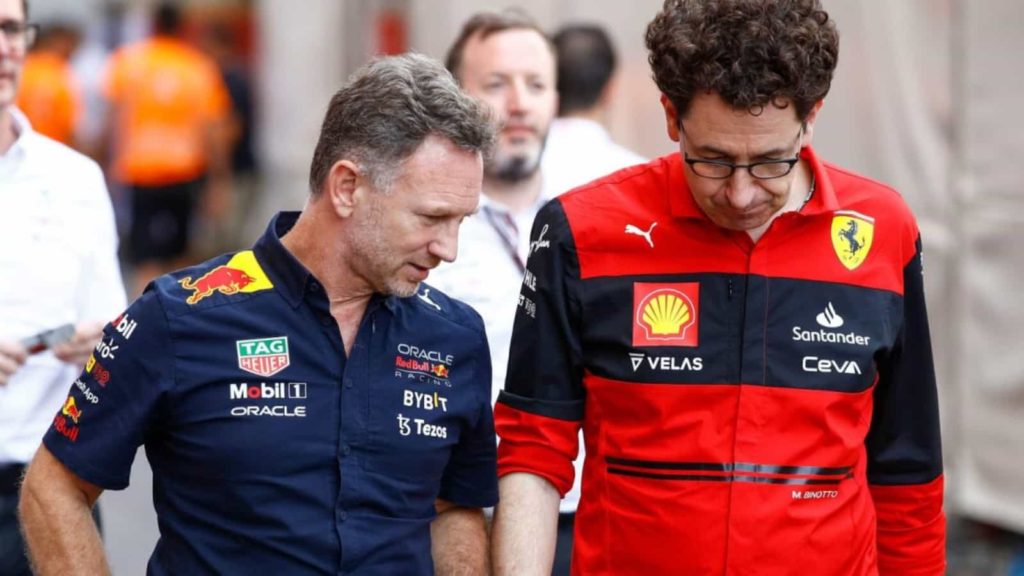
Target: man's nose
<point x="742" y="188"/>
<point x="446" y="245"/>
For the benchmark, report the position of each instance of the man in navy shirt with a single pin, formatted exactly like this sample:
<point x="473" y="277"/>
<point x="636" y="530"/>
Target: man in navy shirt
<point x="308" y="406"/>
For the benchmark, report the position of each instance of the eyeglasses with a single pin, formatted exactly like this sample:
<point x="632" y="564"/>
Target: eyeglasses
<point x="19" y="34"/>
<point x="720" y="169"/>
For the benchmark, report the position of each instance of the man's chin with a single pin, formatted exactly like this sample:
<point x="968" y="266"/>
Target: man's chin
<point x="514" y="169"/>
<point x="404" y="289"/>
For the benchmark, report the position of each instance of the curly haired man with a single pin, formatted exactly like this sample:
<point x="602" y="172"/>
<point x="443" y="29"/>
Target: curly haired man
<point x="738" y="328"/>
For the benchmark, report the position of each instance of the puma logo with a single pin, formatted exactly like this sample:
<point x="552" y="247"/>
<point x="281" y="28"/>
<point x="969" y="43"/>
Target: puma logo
<point x="426" y="298"/>
<point x="630" y="229"/>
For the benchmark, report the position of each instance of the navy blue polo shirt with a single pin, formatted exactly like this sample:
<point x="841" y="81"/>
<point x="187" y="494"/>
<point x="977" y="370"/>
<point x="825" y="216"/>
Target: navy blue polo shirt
<point x="273" y="452"/>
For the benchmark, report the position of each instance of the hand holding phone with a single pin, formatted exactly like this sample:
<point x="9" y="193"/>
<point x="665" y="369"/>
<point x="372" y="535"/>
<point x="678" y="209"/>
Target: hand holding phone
<point x="48" y="338"/>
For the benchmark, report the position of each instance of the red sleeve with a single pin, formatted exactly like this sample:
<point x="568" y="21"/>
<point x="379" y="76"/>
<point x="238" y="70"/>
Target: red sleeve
<point x="911" y="529"/>
<point x="539" y="413"/>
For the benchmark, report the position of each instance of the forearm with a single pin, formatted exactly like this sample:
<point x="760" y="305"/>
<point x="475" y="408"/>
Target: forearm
<point x="459" y="542"/>
<point x="525" y="526"/>
<point x="59" y="530"/>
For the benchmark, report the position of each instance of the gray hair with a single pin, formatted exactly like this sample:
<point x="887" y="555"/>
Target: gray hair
<point x="387" y="109"/>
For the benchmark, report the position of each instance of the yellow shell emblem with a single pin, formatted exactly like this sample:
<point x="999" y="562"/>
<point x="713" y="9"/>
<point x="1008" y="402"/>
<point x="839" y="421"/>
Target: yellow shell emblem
<point x="852" y="233"/>
<point x="666" y="314"/>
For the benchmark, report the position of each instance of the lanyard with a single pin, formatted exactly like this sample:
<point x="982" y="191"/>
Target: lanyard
<point x="507" y="230"/>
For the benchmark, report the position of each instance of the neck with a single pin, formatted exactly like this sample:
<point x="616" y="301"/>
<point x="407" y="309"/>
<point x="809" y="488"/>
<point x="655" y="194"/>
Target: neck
<point x="594" y="114"/>
<point x="516" y="196"/>
<point x="7" y="133"/>
<point x="321" y="249"/>
<point x="798" y="195"/>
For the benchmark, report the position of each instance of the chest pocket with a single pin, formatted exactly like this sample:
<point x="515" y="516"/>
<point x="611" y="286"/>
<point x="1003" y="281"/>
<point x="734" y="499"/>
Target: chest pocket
<point x="413" y="425"/>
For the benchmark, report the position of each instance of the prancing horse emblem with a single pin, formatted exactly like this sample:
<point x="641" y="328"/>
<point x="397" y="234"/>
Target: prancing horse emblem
<point x="852" y="234"/>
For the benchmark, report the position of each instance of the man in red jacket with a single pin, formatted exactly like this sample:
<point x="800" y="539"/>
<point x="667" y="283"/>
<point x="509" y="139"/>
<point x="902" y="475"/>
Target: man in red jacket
<point x="738" y="328"/>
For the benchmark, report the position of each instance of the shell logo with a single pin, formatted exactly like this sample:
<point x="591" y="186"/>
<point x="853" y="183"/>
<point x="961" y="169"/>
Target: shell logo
<point x="666" y="314"/>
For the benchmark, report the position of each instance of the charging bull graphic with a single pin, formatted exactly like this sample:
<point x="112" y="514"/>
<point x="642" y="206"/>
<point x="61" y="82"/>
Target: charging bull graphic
<point x="241" y="274"/>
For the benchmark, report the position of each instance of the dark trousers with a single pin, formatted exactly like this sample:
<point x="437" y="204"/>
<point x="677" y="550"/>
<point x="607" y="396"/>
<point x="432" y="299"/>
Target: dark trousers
<point x="563" y="546"/>
<point x="13" y="558"/>
<point x="12" y="548"/>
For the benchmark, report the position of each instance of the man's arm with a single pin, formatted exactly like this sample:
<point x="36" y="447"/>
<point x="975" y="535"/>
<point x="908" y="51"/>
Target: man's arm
<point x="56" y="517"/>
<point x="525" y="526"/>
<point x="458" y="541"/>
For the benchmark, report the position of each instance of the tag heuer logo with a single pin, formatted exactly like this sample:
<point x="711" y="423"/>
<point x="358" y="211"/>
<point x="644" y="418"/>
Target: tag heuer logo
<point x="263" y="356"/>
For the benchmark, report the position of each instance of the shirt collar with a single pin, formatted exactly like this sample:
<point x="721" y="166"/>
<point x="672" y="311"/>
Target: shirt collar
<point x="24" y="133"/>
<point x="293" y="280"/>
<point x="288" y="275"/>
<point x="683" y="205"/>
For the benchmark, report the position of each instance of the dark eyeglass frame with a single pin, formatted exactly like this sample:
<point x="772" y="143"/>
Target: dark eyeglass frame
<point x="695" y="163"/>
<point x="23" y="32"/>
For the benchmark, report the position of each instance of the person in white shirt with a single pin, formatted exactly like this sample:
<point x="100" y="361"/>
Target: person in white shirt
<point x="579" y="147"/>
<point x="507" y="62"/>
<point x="58" y="266"/>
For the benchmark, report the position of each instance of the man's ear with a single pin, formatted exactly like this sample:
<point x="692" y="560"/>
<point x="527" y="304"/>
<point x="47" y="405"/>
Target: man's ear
<point x="341" y="186"/>
<point x="671" y="118"/>
<point x="812" y="117"/>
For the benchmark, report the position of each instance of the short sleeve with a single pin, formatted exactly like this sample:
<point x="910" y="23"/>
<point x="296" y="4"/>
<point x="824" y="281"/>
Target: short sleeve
<point x="111" y="406"/>
<point x="471" y="478"/>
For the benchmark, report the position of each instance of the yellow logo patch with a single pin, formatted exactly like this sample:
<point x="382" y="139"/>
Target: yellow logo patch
<point x="241" y="274"/>
<point x="852" y="233"/>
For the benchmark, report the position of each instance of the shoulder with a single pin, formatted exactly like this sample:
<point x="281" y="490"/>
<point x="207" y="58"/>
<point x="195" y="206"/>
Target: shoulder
<point x="437" y="306"/>
<point x="62" y="165"/>
<point x="225" y="283"/>
<point x="636" y="194"/>
<point x="858" y="192"/>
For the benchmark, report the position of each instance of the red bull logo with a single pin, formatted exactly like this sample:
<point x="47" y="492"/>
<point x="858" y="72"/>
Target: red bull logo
<point x="221" y="279"/>
<point x="241" y="274"/>
<point x="412" y="364"/>
<point x="71" y="410"/>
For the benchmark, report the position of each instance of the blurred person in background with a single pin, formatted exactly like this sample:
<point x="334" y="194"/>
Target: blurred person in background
<point x="309" y="405"/>
<point x="221" y="43"/>
<point x="506" y="61"/>
<point x="58" y="269"/>
<point x="167" y="136"/>
<point x="739" y="329"/>
<point x="49" y="93"/>
<point x="579" y="148"/>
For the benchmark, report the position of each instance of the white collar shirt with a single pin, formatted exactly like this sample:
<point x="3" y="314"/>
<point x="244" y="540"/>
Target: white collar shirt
<point x="58" y="265"/>
<point x="488" y="273"/>
<point x="580" y="150"/>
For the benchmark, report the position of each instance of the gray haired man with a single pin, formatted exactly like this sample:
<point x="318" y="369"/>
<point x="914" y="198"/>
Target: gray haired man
<point x="307" y="406"/>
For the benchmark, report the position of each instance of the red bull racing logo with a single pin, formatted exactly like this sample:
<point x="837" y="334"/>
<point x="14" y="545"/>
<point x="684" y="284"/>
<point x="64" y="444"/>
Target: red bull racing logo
<point x="221" y="279"/>
<point x="241" y="274"/>
<point x="423" y="365"/>
<point x="68" y="412"/>
<point x="665" y="314"/>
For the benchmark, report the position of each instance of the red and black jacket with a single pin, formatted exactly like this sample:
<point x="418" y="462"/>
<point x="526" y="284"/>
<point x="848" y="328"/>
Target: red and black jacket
<point x="747" y="408"/>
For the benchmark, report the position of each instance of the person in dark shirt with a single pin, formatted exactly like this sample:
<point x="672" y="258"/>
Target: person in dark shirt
<point x="308" y="406"/>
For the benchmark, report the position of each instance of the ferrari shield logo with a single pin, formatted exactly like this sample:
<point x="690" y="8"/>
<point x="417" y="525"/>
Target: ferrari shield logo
<point x="852" y="233"/>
